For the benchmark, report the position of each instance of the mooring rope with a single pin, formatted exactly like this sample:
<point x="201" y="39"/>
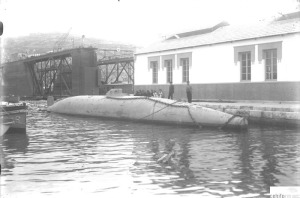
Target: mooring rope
<point x="167" y="105"/>
<point x="153" y="109"/>
<point x="161" y="102"/>
<point x="146" y="98"/>
<point x="129" y="98"/>
<point x="188" y="107"/>
<point x="11" y="120"/>
<point x="229" y="120"/>
<point x="2" y="108"/>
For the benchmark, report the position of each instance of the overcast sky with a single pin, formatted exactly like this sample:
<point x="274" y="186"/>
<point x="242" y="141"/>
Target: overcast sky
<point x="139" y="22"/>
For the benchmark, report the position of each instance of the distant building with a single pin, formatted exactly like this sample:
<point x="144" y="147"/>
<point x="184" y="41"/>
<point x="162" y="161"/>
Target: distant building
<point x="224" y="62"/>
<point x="17" y="56"/>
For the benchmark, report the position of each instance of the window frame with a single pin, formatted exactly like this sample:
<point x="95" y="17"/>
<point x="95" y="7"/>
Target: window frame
<point x="169" y="68"/>
<point x="154" y="66"/>
<point x="184" y="62"/>
<point x="271" y="65"/>
<point x="247" y="66"/>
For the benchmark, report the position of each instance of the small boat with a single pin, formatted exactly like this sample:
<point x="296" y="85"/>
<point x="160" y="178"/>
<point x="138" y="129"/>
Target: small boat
<point x="12" y="117"/>
<point x="141" y="108"/>
<point x="4" y="126"/>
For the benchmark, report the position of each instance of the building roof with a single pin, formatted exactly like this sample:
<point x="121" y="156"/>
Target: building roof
<point x="225" y="34"/>
<point x="289" y="16"/>
<point x="198" y="32"/>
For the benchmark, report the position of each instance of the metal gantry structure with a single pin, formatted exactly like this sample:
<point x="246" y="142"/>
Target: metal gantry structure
<point x="51" y="75"/>
<point x="115" y="66"/>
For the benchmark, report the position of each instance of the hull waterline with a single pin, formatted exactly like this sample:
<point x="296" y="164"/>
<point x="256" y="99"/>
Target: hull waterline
<point x="139" y="108"/>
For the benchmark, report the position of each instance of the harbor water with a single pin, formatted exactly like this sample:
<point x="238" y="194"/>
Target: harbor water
<point x="68" y="156"/>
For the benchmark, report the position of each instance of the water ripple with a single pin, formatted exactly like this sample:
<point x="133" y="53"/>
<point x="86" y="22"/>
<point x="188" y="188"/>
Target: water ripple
<point x="70" y="156"/>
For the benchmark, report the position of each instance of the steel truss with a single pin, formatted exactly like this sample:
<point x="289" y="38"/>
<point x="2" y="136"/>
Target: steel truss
<point x="118" y="72"/>
<point x="115" y="66"/>
<point x="51" y="76"/>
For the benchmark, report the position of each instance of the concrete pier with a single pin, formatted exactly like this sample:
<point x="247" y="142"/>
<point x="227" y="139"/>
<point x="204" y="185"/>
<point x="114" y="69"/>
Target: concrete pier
<point x="271" y="113"/>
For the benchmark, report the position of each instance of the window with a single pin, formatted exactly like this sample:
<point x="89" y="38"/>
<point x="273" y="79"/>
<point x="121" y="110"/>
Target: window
<point x="153" y="59"/>
<point x="271" y="64"/>
<point x="184" y="62"/>
<point x="239" y="50"/>
<point x="267" y="46"/>
<point x="245" y="65"/>
<point x="168" y="65"/>
<point x="154" y="67"/>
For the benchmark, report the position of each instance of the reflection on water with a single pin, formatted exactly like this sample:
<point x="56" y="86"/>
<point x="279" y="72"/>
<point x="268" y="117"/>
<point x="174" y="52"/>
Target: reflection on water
<point x="79" y="156"/>
<point x="17" y="142"/>
<point x="14" y="143"/>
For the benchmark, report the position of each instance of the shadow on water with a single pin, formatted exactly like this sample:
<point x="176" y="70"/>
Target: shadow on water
<point x="12" y="143"/>
<point x="16" y="141"/>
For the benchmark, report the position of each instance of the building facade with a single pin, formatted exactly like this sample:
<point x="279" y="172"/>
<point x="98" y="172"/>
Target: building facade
<point x="257" y="62"/>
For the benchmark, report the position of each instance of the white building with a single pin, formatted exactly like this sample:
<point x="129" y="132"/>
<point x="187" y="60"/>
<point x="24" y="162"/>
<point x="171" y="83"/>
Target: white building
<point x="224" y="62"/>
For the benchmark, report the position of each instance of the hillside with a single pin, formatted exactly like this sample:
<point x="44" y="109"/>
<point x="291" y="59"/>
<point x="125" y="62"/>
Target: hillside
<point x="43" y="43"/>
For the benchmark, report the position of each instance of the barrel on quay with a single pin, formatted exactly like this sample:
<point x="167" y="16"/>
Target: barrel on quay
<point x="140" y="108"/>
